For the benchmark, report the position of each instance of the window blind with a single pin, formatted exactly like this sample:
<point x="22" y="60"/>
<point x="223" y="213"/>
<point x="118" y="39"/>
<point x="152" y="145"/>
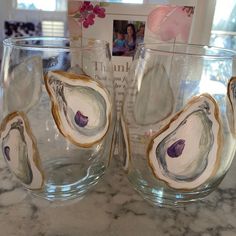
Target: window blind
<point x="53" y="28"/>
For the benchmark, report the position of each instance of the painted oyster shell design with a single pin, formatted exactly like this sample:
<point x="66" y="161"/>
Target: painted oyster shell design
<point x="23" y="89"/>
<point x="20" y="151"/>
<point x="231" y="104"/>
<point x="81" y="107"/>
<point x="186" y="152"/>
<point x="154" y="90"/>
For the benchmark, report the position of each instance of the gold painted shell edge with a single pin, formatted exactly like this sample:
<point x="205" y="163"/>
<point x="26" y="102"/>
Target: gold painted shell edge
<point x="36" y="156"/>
<point x="55" y="108"/>
<point x="219" y="139"/>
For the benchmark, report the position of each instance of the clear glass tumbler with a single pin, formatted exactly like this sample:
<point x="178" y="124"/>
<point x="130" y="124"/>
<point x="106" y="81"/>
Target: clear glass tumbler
<point x="179" y="121"/>
<point x="57" y="114"/>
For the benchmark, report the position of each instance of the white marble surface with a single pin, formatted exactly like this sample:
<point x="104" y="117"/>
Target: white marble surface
<point x="113" y="208"/>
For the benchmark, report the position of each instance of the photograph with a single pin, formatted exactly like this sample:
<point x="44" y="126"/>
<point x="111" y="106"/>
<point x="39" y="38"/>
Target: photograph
<point x="126" y="37"/>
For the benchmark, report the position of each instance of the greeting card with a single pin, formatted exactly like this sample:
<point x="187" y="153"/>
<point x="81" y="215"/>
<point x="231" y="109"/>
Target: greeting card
<point x="125" y="26"/>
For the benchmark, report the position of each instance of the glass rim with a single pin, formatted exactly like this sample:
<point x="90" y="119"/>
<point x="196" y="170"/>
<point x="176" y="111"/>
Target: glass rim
<point x="225" y="53"/>
<point x="16" y="43"/>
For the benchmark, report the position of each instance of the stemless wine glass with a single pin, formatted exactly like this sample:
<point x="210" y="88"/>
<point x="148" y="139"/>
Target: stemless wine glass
<point x="179" y="121"/>
<point x="57" y="114"/>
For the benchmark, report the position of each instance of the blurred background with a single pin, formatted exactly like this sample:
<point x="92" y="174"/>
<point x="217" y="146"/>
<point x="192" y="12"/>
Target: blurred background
<point x="214" y="21"/>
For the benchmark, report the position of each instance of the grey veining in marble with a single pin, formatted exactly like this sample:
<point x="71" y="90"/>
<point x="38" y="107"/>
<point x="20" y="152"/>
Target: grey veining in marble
<point x="113" y="208"/>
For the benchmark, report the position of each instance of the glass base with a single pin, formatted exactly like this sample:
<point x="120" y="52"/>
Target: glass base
<point x="66" y="180"/>
<point x="165" y="197"/>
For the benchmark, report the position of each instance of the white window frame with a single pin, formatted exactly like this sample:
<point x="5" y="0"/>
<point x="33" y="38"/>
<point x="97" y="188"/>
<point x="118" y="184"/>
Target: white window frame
<point x="14" y="2"/>
<point x="41" y="15"/>
<point x="202" y="22"/>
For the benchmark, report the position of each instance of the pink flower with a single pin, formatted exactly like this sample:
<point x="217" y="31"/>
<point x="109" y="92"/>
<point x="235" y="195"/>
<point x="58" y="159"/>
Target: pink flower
<point x="169" y="22"/>
<point x="99" y="11"/>
<point x="86" y="7"/>
<point x="85" y="13"/>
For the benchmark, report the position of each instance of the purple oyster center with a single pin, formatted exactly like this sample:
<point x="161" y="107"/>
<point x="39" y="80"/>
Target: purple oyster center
<point x="80" y="119"/>
<point x="7" y="153"/>
<point x="176" y="149"/>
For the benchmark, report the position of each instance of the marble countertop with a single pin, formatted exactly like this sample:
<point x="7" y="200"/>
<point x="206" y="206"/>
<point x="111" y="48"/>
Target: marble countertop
<point x="113" y="208"/>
